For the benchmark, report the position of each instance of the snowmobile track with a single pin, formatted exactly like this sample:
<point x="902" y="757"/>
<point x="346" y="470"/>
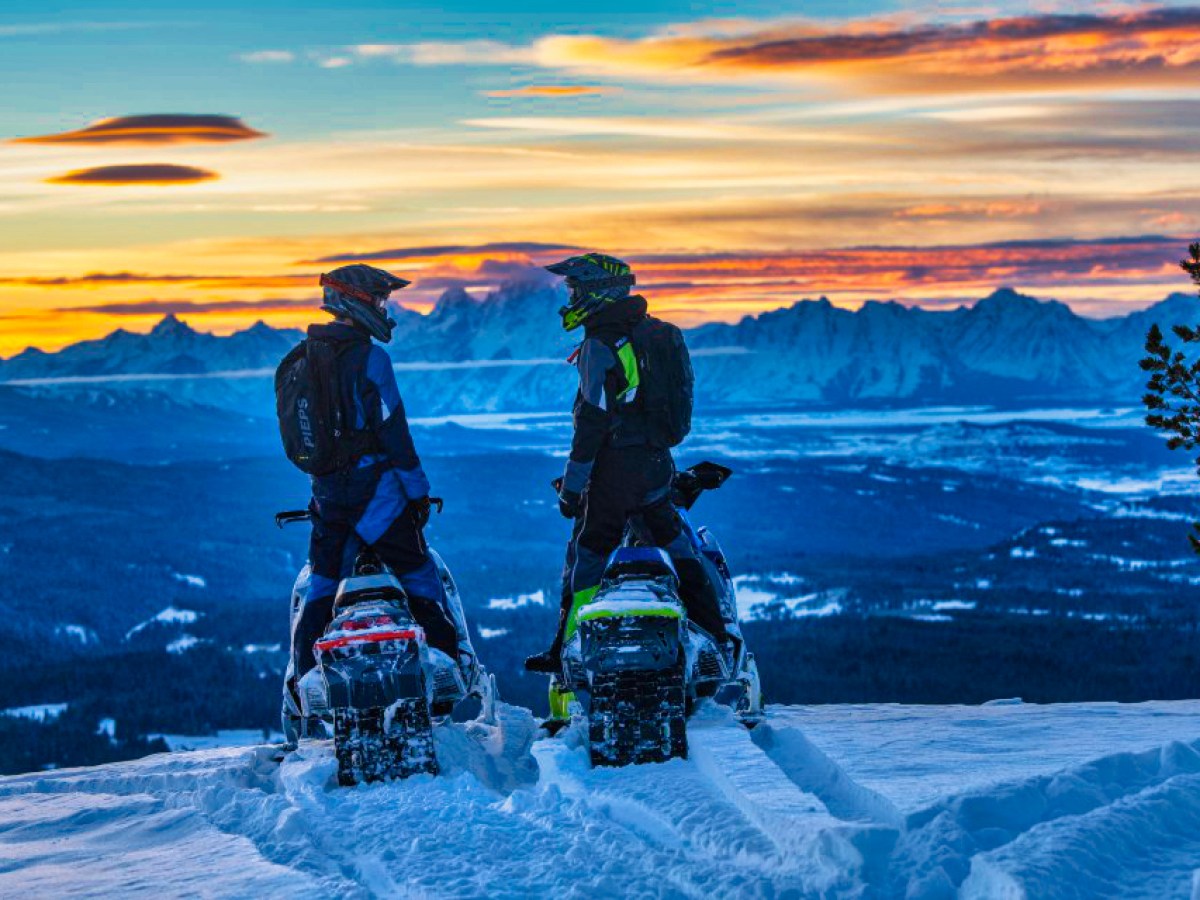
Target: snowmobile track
<point x="637" y="717"/>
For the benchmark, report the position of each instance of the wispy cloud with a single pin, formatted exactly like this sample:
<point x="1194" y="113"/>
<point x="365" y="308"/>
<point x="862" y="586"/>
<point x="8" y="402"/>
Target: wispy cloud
<point x="400" y="254"/>
<point x="191" y="307"/>
<point x="487" y="53"/>
<point x="110" y="279"/>
<point x="1129" y="47"/>
<point x="147" y="173"/>
<point x="34" y="29"/>
<point x="659" y="127"/>
<point x="1037" y="51"/>
<point x="159" y="128"/>
<point x="259" y="57"/>
<point x="910" y="271"/>
<point x="553" y="91"/>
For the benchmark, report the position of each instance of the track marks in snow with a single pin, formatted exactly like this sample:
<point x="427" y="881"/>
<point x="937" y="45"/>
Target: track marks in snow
<point x="812" y="771"/>
<point x="762" y="813"/>
<point x="1124" y="825"/>
<point x="727" y="819"/>
<point x="116" y="830"/>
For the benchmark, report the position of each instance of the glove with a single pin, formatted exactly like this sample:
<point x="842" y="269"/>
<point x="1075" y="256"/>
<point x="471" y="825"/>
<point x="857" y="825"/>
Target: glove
<point x="421" y="508"/>
<point x="570" y="503"/>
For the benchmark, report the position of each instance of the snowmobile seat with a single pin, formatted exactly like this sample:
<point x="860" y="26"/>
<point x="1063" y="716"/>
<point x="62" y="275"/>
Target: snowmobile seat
<point x="640" y="562"/>
<point x="384" y="587"/>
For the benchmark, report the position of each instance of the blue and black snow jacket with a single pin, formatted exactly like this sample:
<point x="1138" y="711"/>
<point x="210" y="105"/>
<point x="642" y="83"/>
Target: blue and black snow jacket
<point x="369" y="388"/>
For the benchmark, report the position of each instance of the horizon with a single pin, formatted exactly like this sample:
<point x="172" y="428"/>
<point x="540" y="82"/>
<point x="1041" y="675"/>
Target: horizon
<point x="208" y="159"/>
<point x="182" y="318"/>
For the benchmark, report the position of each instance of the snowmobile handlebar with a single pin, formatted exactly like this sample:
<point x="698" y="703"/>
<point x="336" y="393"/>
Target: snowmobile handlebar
<point x="688" y="485"/>
<point x="292" y="516"/>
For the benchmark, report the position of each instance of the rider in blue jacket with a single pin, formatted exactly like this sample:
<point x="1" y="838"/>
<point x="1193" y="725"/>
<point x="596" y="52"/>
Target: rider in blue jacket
<point x="381" y="500"/>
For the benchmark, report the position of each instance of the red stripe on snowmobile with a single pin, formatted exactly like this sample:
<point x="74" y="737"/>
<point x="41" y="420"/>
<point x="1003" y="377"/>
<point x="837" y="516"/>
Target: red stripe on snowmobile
<point x="408" y="634"/>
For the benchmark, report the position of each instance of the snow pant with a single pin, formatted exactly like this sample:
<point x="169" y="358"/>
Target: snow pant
<point x="357" y="509"/>
<point x="633" y="483"/>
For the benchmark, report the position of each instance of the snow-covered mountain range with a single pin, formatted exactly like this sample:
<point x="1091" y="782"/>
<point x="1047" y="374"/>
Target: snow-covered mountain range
<point x="1008" y="347"/>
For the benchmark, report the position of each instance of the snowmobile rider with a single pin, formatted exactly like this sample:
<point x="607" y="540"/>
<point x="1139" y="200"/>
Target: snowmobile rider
<point x="613" y="472"/>
<point x="380" y="500"/>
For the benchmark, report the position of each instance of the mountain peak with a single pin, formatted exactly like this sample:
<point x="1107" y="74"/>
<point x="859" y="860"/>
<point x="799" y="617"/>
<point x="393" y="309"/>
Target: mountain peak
<point x="259" y="328"/>
<point x="454" y="299"/>
<point x="1009" y="296"/>
<point x="171" y="326"/>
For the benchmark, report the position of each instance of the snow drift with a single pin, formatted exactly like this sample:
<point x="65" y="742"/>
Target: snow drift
<point x="871" y="801"/>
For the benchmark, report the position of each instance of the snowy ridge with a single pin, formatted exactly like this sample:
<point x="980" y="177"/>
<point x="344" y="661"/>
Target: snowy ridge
<point x="853" y="801"/>
<point x="504" y="353"/>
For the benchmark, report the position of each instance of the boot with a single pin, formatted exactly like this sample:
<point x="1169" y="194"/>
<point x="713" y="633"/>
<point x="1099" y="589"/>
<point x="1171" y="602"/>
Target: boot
<point x="549" y="662"/>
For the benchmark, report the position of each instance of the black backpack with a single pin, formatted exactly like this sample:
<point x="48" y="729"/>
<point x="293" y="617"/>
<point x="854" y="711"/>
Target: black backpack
<point x="308" y="401"/>
<point x="666" y="382"/>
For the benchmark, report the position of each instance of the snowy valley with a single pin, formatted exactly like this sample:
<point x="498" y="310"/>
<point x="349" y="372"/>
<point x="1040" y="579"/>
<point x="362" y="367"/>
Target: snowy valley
<point x="904" y="530"/>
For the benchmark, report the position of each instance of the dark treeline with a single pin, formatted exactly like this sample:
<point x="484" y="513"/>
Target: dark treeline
<point x="973" y="658"/>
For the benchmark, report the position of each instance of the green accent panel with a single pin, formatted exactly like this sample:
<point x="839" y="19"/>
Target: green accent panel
<point x="664" y="612"/>
<point x="580" y="600"/>
<point x="559" y="702"/>
<point x="629" y="364"/>
<point x="572" y="319"/>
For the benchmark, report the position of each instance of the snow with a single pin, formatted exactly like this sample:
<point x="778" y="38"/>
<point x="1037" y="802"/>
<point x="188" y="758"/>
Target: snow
<point x="1139" y="565"/>
<point x="190" y="580"/>
<point x="79" y="633"/>
<point x="537" y="598"/>
<point x="169" y="616"/>
<point x="183" y="643"/>
<point x="262" y="648"/>
<point x="750" y="600"/>
<point x="234" y="737"/>
<point x="1007" y="799"/>
<point x="758" y="602"/>
<point x="39" y="712"/>
<point x="489" y="634"/>
<point x="107" y="727"/>
<point x="946" y="605"/>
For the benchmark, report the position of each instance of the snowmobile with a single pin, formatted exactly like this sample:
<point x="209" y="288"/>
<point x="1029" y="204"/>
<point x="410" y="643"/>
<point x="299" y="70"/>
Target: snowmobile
<point x="633" y="664"/>
<point x="377" y="681"/>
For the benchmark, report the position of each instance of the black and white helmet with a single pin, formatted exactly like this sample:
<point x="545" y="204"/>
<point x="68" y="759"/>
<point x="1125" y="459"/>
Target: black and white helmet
<point x="360" y="293"/>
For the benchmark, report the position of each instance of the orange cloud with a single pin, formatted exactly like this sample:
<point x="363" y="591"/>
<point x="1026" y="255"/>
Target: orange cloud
<point x="167" y="128"/>
<point x="148" y="173"/>
<point x="115" y="279"/>
<point x="506" y="249"/>
<point x="692" y="287"/>
<point x="910" y="271"/>
<point x="1130" y="49"/>
<point x="194" y="307"/>
<point x="996" y="209"/>
<point x="553" y="90"/>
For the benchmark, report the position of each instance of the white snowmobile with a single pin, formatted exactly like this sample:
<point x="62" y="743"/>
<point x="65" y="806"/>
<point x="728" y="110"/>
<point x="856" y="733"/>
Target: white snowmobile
<point x="634" y="665"/>
<point x="377" y="681"/>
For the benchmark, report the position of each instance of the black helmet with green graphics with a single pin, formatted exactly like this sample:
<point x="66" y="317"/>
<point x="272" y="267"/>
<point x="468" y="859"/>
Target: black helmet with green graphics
<point x="596" y="281"/>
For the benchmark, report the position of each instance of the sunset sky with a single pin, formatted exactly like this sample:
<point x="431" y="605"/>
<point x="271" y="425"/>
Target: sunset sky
<point x="212" y="159"/>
